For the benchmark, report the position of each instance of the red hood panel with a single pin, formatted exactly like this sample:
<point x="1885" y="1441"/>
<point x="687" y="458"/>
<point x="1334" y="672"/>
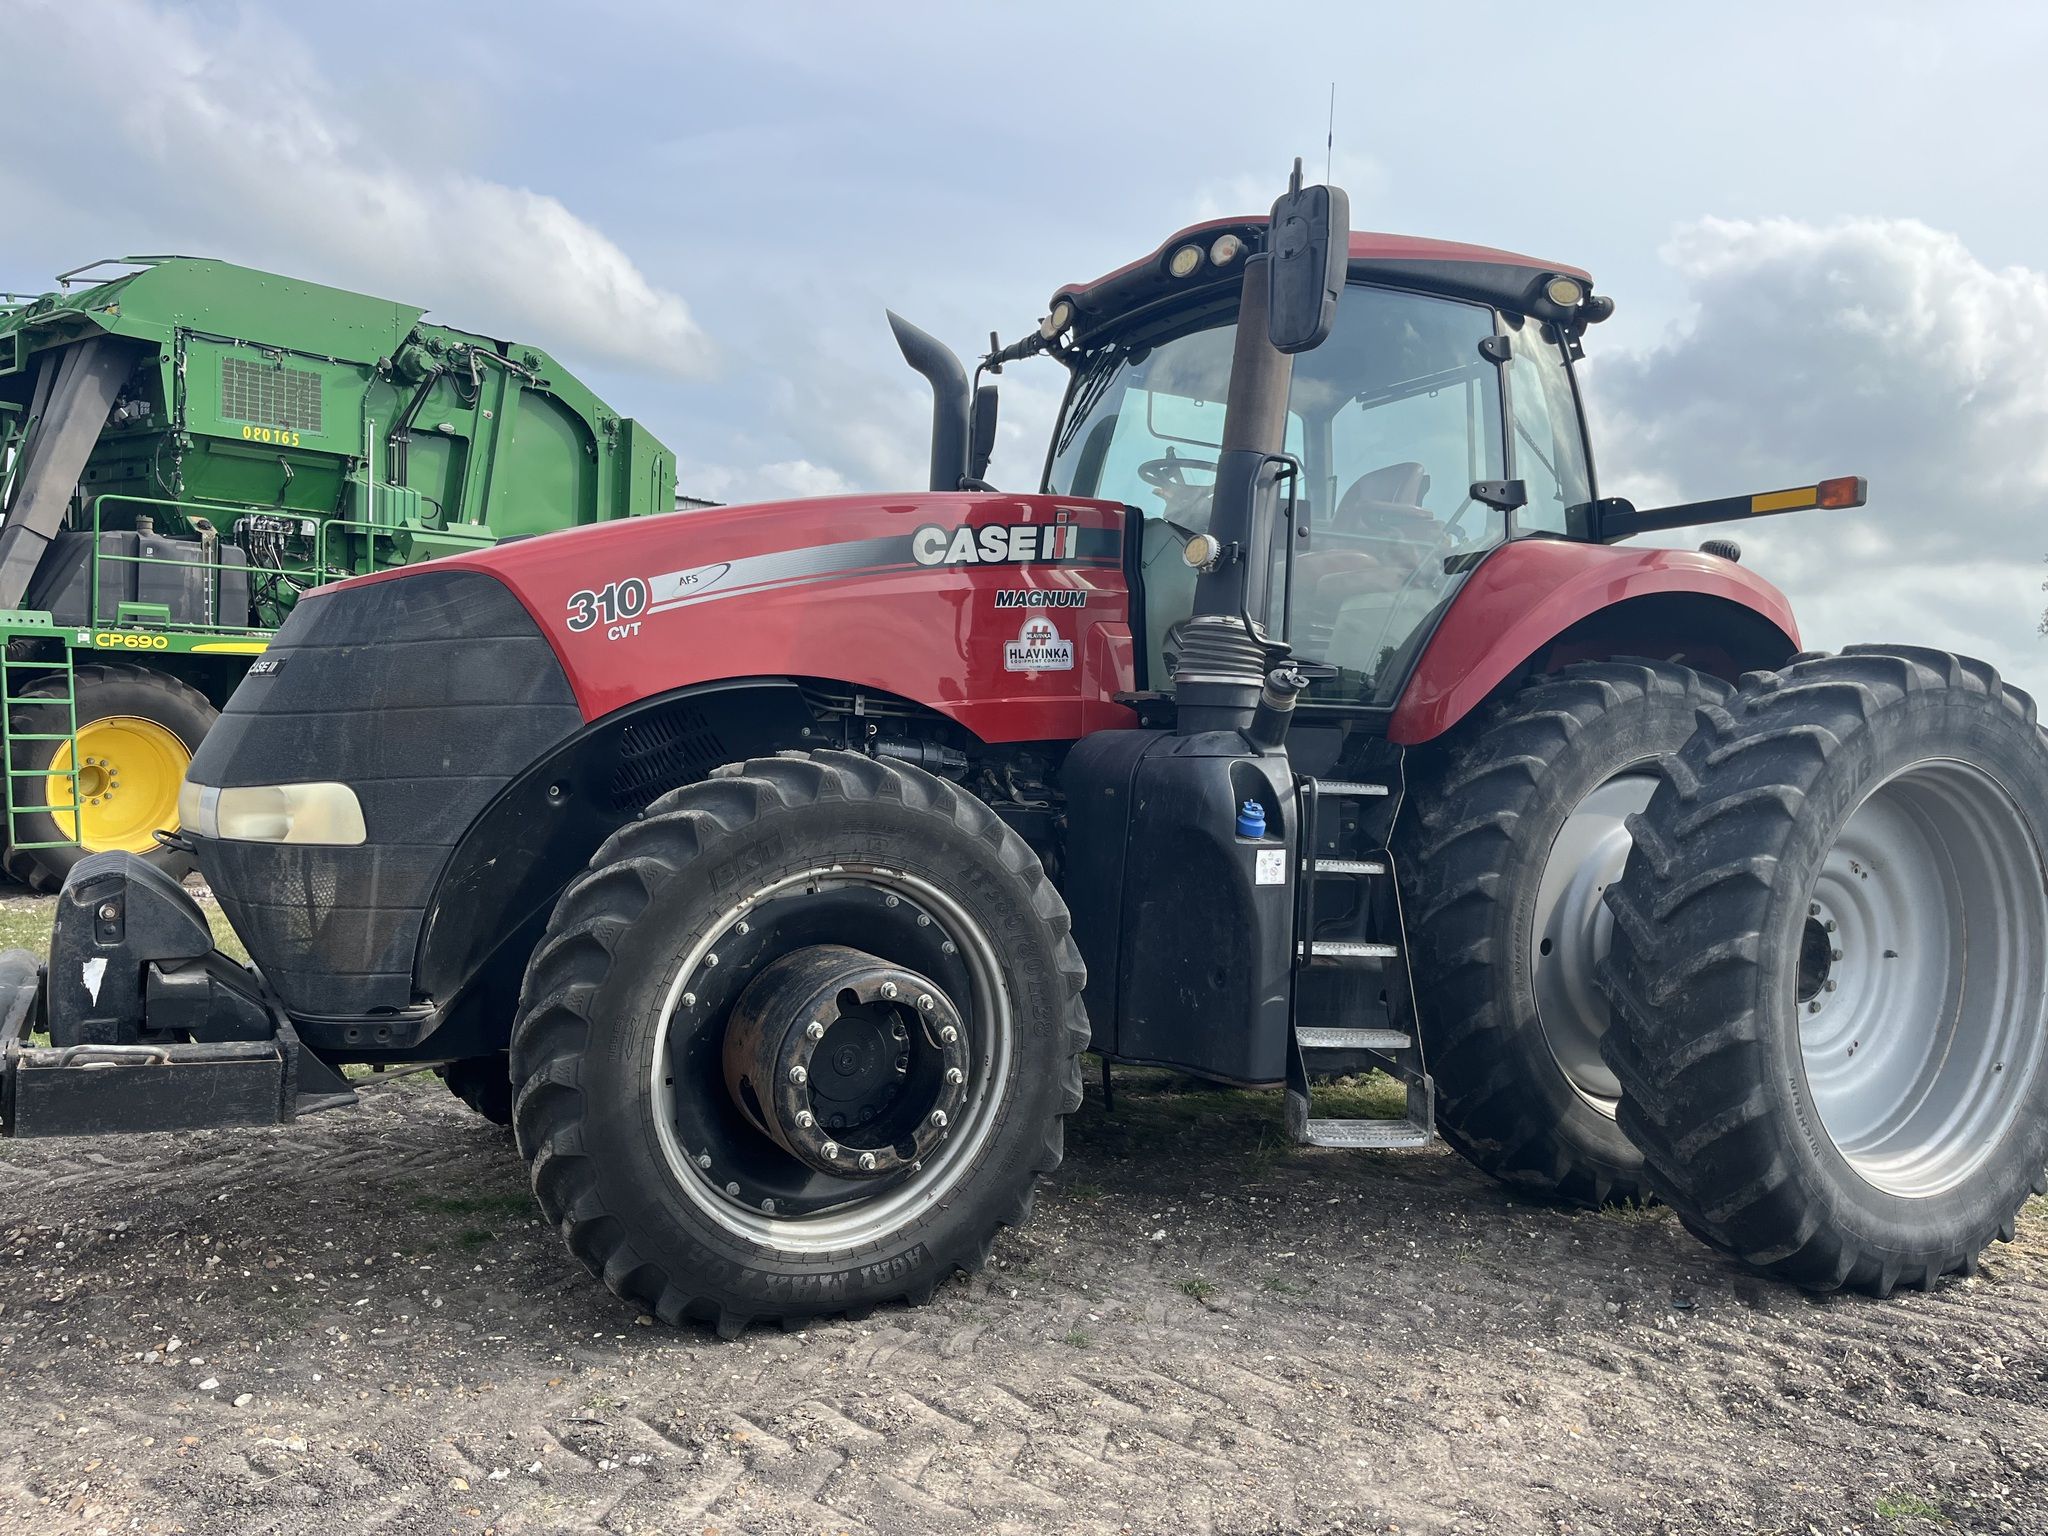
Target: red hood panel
<point x="1007" y="613"/>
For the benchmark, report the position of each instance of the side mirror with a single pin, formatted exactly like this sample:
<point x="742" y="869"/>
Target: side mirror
<point x="1310" y="246"/>
<point x="981" y="432"/>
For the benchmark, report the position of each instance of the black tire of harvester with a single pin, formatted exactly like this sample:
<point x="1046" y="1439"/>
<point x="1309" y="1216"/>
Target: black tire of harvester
<point x="1706" y="953"/>
<point x="100" y="691"/>
<point x="484" y="1083"/>
<point x="1472" y="856"/>
<point x="593" y="993"/>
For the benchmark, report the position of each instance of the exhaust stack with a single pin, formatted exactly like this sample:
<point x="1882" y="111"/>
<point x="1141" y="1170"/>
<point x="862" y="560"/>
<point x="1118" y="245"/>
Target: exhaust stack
<point x="952" y="406"/>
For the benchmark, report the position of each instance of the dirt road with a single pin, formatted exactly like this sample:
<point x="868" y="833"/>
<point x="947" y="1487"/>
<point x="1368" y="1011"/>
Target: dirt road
<point x="358" y="1324"/>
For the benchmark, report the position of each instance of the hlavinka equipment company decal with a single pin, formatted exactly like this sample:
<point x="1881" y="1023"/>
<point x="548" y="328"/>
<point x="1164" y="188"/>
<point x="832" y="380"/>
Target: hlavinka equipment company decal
<point x="1038" y="648"/>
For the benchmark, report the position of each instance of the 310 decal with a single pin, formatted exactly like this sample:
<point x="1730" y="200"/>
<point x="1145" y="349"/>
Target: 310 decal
<point x="616" y="605"/>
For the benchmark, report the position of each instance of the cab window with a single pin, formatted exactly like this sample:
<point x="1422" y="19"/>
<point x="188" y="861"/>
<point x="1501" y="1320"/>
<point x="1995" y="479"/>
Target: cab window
<point x="1550" y="449"/>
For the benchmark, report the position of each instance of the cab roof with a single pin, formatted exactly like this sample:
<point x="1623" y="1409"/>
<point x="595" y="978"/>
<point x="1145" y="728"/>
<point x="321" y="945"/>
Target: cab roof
<point x="1474" y="272"/>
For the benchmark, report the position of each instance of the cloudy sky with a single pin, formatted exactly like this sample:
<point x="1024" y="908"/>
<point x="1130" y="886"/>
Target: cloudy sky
<point x="1821" y="223"/>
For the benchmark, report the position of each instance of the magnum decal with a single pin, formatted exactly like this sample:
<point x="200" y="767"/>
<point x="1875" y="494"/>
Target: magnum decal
<point x="1042" y="597"/>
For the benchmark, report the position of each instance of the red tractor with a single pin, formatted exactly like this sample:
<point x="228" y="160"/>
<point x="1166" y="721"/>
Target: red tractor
<point x="770" y="869"/>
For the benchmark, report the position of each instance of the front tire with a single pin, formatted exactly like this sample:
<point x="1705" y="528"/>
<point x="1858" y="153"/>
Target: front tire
<point x="1831" y="957"/>
<point x="678" y="1172"/>
<point x="1504" y="861"/>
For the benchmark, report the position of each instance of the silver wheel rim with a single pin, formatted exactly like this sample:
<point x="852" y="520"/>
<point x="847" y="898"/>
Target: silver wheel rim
<point x="1572" y="930"/>
<point x="1920" y="988"/>
<point x="867" y="1220"/>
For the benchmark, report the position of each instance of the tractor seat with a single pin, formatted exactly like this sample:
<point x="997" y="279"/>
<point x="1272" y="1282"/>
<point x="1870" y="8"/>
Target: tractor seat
<point x="1396" y="487"/>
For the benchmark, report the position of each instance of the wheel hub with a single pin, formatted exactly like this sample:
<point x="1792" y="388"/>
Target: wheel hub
<point x="1920" y="977"/>
<point x="1573" y="930"/>
<point x="854" y="1066"/>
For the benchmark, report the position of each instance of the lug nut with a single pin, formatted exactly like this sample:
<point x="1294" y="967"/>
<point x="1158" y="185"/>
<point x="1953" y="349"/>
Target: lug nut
<point x="1831" y="984"/>
<point x="867" y="1160"/>
<point x="949" y="1034"/>
<point x="703" y="1159"/>
<point x="939" y="1118"/>
<point x="923" y="921"/>
<point x="948" y="947"/>
<point x="924" y="1001"/>
<point x="955" y="1076"/>
<point x="1829" y="925"/>
<point x="1834" y="954"/>
<point x="768" y="1206"/>
<point x="742" y="927"/>
<point x="891" y="901"/>
<point x="888" y="989"/>
<point x="830" y="1149"/>
<point x="689" y="999"/>
<point x="711" y="960"/>
<point x="1814" y="1006"/>
<point x="108" y="911"/>
<point x="814" y="1030"/>
<point x="1813" y="909"/>
<point x="732" y="1189"/>
<point x="797" y="1074"/>
<point x="805" y="1119"/>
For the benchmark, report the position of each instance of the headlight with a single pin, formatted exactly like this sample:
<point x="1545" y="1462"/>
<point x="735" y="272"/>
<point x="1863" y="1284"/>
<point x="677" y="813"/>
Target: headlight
<point x="274" y="813"/>
<point x="1225" y="250"/>
<point x="1183" y="262"/>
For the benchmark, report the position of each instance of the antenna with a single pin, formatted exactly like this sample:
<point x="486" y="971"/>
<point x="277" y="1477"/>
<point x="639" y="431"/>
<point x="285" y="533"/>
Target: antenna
<point x="1330" y="142"/>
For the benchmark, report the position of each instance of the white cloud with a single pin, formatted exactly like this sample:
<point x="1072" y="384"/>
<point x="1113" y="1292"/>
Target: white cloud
<point x="233" y="141"/>
<point x="1878" y="347"/>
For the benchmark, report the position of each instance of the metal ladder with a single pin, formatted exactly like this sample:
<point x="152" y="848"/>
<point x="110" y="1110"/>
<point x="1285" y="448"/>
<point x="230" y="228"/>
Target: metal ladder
<point x="20" y="802"/>
<point x="1365" y="943"/>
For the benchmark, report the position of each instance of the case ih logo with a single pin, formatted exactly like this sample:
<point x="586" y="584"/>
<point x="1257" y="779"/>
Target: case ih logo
<point x="1038" y="648"/>
<point x="995" y="544"/>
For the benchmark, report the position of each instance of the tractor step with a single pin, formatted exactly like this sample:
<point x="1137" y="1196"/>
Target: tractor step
<point x="1348" y="789"/>
<point x="1369" y="1135"/>
<point x="1351" y="949"/>
<point x="1314" y="1038"/>
<point x="1343" y="867"/>
<point x="1352" y="1009"/>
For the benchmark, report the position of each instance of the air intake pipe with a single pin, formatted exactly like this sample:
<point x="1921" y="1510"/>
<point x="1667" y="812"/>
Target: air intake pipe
<point x="952" y="404"/>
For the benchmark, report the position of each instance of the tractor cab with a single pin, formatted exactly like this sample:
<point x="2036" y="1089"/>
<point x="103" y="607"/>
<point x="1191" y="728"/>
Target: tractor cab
<point x="1438" y="420"/>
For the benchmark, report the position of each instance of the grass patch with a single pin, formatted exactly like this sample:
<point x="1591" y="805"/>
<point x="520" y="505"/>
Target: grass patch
<point x="1083" y="1190"/>
<point x="1634" y="1213"/>
<point x="1079" y="1338"/>
<point x="1908" y="1506"/>
<point x="1197" y="1287"/>
<point x="25" y="923"/>
<point x="1280" y="1285"/>
<point x="476" y="1237"/>
<point x="517" y="1204"/>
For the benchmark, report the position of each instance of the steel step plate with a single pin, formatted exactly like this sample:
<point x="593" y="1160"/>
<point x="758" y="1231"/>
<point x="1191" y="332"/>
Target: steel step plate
<point x="1345" y="787"/>
<point x="1349" y="867"/>
<point x="1316" y="1039"/>
<point x="1351" y="949"/>
<point x="1383" y="1134"/>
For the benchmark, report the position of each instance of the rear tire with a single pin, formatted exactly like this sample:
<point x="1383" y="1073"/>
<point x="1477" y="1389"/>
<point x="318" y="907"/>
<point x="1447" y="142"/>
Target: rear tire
<point x="154" y="722"/>
<point x="1831" y="959"/>
<point x="484" y="1083"/>
<point x="1504" y="958"/>
<point x="638" y="1142"/>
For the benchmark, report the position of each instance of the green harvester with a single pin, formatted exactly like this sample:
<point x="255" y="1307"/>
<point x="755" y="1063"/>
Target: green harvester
<point x="186" y="447"/>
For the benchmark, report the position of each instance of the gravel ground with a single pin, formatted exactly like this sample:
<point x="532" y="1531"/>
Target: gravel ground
<point x="358" y="1324"/>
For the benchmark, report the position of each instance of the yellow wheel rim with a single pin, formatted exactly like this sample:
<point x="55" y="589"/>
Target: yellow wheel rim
<point x="129" y="770"/>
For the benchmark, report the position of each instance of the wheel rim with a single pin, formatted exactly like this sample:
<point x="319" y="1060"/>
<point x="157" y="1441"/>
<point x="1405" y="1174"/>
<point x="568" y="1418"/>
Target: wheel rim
<point x="1920" y="980"/>
<point x="129" y="770"/>
<point x="723" y="1159"/>
<point x="1572" y="930"/>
